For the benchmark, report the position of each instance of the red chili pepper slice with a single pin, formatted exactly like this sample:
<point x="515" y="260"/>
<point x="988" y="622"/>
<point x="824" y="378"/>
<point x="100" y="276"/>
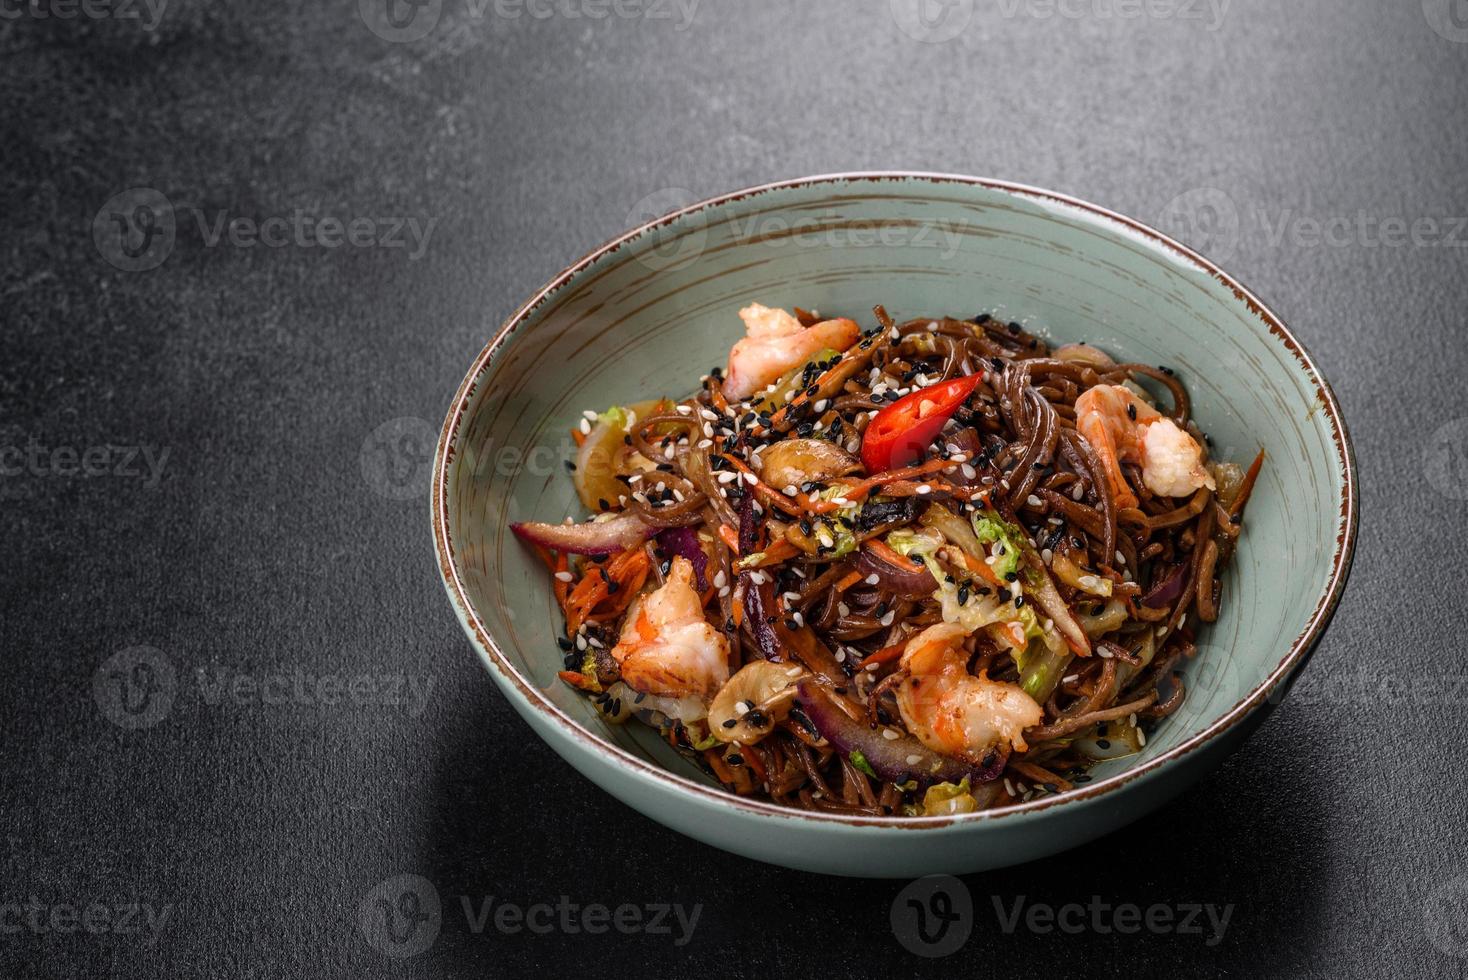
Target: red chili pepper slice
<point x="902" y="430"/>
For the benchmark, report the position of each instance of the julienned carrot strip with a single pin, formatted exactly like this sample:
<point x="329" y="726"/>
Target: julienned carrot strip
<point x="720" y="768"/>
<point x="579" y="436"/>
<point x="848" y="582"/>
<point x="629" y="570"/>
<point x="885" y="655"/>
<point x="775" y="554"/>
<point x="730" y="537"/>
<point x="979" y="565"/>
<point x="882" y="551"/>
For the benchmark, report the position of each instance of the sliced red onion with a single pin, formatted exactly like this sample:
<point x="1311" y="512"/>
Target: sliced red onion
<point x="758" y="600"/>
<point x="1166" y="592"/>
<point x="683" y="542"/>
<point x="905" y="582"/>
<point x="888" y="757"/>
<point x="748" y="527"/>
<point x="592" y="538"/>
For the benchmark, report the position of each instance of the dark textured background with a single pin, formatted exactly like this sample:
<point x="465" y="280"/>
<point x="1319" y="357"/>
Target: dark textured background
<point x="276" y="538"/>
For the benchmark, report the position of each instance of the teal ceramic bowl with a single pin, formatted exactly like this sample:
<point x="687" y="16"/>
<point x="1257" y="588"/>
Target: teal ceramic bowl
<point x="651" y="311"/>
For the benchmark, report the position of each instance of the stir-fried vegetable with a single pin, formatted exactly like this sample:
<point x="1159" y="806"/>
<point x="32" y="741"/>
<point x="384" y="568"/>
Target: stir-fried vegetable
<point x="902" y="430"/>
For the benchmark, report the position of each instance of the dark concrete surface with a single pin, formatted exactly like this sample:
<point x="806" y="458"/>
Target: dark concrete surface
<point x="235" y="703"/>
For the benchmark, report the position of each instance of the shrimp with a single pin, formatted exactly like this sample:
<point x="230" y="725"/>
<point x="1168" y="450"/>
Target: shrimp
<point x="1120" y="426"/>
<point x="667" y="648"/>
<point x="776" y="345"/>
<point x="954" y="712"/>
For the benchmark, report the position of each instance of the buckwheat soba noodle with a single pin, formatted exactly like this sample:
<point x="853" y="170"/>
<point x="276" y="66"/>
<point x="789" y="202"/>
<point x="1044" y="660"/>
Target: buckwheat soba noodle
<point x="931" y="568"/>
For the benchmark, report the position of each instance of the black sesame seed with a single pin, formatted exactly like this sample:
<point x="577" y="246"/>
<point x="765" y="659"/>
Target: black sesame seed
<point x="1131" y="411"/>
<point x="563" y="642"/>
<point x="730" y="723"/>
<point x="570" y="466"/>
<point x="1102" y="743"/>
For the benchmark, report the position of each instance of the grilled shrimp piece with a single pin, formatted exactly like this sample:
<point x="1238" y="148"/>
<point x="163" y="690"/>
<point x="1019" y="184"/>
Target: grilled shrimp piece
<point x="954" y="712"/>
<point x="776" y="345"/>
<point x="667" y="648"/>
<point x="1120" y="426"/>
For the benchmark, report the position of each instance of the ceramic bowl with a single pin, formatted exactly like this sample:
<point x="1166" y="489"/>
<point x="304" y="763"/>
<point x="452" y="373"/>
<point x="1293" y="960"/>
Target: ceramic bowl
<point x="651" y="311"/>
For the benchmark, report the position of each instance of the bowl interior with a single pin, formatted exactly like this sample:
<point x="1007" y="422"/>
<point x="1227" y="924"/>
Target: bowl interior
<point x="650" y="315"/>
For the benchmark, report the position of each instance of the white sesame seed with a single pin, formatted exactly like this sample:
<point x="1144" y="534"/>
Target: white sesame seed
<point x="581" y="641"/>
<point x="913" y="760"/>
<point x="840" y="655"/>
<point x="585" y="427"/>
<point x="705" y="443"/>
<point x="711" y="416"/>
<point x="890" y="735"/>
<point x="968" y="471"/>
<point x="791" y="596"/>
<point x="595" y="642"/>
<point x="853" y="445"/>
<point x="741" y="709"/>
<point x="799" y="619"/>
<point x="820" y="406"/>
<point x="727" y="476"/>
<point x="1009" y="787"/>
<point x="565" y="576"/>
<point x="750" y="478"/>
<point x="1141" y="737"/>
<point x="1046" y="556"/>
<point x="1078" y="491"/>
<point x="1120" y="558"/>
<point x="590" y="415"/>
<point x="1070" y="678"/>
<point x="924" y="489"/>
<point x="843" y="609"/>
<point x="720" y="580"/>
<point x="684" y="410"/>
<point x="724" y="592"/>
<point x="1034" y="501"/>
<point x="887" y="619"/>
<point x="873" y="579"/>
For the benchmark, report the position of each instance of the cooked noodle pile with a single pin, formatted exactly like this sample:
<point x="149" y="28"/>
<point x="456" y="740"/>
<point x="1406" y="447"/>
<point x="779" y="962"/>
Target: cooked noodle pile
<point x="1052" y="605"/>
